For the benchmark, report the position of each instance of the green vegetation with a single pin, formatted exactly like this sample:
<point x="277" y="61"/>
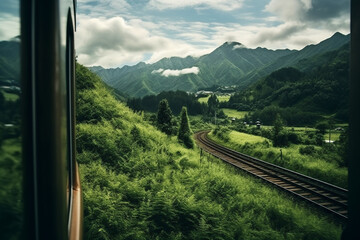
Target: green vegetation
<point x="176" y="100"/>
<point x="139" y="183"/>
<point x="164" y="117"/>
<point x="221" y="98"/>
<point x="234" y="113"/>
<point x="185" y="133"/>
<point x="213" y="104"/>
<point x="203" y="99"/>
<point x="325" y="163"/>
<point x="301" y="98"/>
<point x="279" y="136"/>
<point x="11" y="206"/>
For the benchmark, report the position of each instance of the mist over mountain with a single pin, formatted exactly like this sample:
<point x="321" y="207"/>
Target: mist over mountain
<point x="230" y="64"/>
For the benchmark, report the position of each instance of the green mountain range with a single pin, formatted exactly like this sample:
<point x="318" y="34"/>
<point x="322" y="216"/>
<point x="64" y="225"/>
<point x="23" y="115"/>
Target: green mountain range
<point x="10" y="60"/>
<point x="230" y="64"/>
<point x="321" y="87"/>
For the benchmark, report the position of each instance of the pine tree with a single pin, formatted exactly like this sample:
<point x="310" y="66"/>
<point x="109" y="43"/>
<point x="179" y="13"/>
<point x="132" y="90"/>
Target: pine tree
<point x="280" y="138"/>
<point x="184" y="134"/>
<point x="164" y="117"/>
<point x="213" y="104"/>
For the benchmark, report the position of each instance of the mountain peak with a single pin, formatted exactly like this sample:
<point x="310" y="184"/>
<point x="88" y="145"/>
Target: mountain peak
<point x="338" y="34"/>
<point x="233" y="45"/>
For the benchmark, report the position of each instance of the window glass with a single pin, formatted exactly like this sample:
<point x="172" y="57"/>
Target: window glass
<point x="11" y="204"/>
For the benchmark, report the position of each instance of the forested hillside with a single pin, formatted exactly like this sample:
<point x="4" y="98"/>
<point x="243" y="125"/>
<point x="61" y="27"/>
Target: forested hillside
<point x="296" y="58"/>
<point x="139" y="183"/>
<point x="301" y="96"/>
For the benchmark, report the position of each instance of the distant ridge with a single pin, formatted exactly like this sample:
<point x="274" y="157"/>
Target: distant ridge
<point x="333" y="43"/>
<point x="230" y="64"/>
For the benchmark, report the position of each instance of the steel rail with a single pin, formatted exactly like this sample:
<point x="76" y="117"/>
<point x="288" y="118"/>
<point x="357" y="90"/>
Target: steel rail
<point x="323" y="195"/>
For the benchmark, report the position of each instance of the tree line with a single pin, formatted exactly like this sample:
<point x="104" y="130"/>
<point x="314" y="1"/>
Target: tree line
<point x="166" y="123"/>
<point x="175" y="99"/>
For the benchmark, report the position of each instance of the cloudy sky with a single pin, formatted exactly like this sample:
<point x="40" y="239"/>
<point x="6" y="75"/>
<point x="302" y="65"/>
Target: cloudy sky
<point x="113" y="33"/>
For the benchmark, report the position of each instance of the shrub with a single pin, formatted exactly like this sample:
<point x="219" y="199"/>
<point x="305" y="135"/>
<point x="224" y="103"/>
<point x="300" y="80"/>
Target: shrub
<point x="281" y="139"/>
<point x="137" y="137"/>
<point x="307" y="150"/>
<point x="222" y="133"/>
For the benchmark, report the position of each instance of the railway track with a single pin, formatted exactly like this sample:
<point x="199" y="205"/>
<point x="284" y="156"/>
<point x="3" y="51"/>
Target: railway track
<point x="323" y="195"/>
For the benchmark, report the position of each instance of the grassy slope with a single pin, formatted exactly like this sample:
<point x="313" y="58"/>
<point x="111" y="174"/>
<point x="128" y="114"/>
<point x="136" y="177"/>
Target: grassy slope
<point x="317" y="166"/>
<point x="140" y="184"/>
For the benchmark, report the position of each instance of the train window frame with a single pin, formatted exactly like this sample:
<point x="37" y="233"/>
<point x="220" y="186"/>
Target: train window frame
<point x="53" y="208"/>
<point x="70" y="79"/>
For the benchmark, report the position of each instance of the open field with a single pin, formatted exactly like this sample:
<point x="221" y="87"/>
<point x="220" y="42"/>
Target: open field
<point x="220" y="98"/>
<point x="234" y="113"/>
<point x="242" y="138"/>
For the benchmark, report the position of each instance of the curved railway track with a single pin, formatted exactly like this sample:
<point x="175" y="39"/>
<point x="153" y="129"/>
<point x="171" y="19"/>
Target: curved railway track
<point x="323" y="195"/>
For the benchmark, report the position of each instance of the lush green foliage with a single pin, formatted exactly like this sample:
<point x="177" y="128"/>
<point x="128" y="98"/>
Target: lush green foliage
<point x="139" y="183"/>
<point x="213" y="104"/>
<point x="164" y="117"/>
<point x="280" y="138"/>
<point x="185" y="133"/>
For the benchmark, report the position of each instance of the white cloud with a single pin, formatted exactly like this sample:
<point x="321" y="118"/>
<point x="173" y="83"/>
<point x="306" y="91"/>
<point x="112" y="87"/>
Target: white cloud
<point x="114" y="42"/>
<point x="9" y="26"/>
<point x="223" y="5"/>
<point x="289" y="10"/>
<point x="279" y="33"/>
<point x="176" y="73"/>
<point x="104" y="8"/>
<point x="238" y="46"/>
<point x="314" y="12"/>
<point x="160" y="70"/>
